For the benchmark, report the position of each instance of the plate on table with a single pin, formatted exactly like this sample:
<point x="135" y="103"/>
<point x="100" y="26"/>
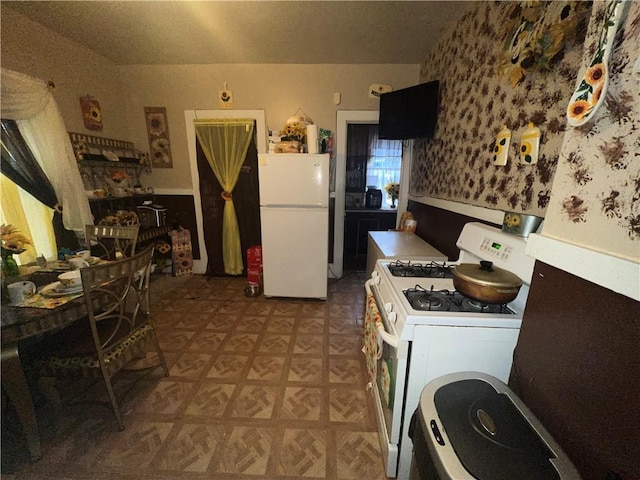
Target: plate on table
<point x="65" y="265"/>
<point x="55" y="289"/>
<point x="61" y="265"/>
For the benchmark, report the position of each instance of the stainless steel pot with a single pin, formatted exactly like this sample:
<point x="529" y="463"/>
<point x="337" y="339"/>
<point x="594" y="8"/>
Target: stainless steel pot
<point x="486" y="283"/>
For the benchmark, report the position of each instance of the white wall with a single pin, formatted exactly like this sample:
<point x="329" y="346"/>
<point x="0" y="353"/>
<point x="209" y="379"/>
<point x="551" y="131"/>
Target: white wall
<point x="123" y="92"/>
<point x="278" y="89"/>
<point x="30" y="48"/>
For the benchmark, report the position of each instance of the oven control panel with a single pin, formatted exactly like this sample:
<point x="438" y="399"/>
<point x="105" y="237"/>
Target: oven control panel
<point x="496" y="249"/>
<point x="506" y="250"/>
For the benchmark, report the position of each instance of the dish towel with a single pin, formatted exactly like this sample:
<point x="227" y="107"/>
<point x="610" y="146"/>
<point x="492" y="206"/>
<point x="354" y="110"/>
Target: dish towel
<point x="372" y="343"/>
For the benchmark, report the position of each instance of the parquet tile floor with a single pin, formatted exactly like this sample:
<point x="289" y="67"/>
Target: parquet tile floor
<point x="258" y="388"/>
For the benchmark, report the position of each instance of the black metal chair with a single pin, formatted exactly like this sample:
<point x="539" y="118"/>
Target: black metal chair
<point x="110" y="242"/>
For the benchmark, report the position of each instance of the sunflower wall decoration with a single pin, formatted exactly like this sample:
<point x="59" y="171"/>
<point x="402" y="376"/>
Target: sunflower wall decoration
<point x="91" y="113"/>
<point x="589" y="95"/>
<point x="158" y="133"/>
<point x="536" y="35"/>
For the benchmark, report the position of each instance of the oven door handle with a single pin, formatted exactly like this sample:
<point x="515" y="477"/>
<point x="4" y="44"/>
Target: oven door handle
<point x="392" y="340"/>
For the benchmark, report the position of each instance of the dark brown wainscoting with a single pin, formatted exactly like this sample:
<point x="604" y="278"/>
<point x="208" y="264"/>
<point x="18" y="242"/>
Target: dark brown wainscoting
<point x="577" y="367"/>
<point x="441" y="228"/>
<point x="181" y="212"/>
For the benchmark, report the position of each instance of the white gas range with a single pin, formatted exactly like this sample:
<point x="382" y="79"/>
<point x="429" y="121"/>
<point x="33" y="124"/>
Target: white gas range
<point x="428" y="330"/>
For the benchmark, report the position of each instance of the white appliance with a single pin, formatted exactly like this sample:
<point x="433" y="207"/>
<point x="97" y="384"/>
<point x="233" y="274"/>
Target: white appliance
<point x="294" y="217"/>
<point x="393" y="244"/>
<point x="416" y="345"/>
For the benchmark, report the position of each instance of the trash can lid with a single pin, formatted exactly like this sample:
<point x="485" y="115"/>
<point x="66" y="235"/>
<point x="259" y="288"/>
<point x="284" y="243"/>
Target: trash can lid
<point x="490" y="436"/>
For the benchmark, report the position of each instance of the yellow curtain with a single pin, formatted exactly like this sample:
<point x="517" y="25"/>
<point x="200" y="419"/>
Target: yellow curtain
<point x="12" y="211"/>
<point x="225" y="143"/>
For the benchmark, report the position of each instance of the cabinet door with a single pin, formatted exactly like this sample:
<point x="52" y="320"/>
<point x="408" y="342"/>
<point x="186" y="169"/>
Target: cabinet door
<point x="367" y="222"/>
<point x="388" y="221"/>
<point x="350" y="233"/>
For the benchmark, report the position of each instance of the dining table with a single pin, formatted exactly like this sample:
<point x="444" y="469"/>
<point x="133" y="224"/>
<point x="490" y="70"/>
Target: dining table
<point x="37" y="317"/>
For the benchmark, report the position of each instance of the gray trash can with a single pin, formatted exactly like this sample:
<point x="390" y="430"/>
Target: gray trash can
<point x="471" y="426"/>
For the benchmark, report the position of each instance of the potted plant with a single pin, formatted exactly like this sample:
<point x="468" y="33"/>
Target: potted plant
<point x="292" y="138"/>
<point x="11" y="242"/>
<point x="393" y="190"/>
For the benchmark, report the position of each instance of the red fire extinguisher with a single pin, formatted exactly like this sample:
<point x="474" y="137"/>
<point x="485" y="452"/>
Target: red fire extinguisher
<point x="254" y="271"/>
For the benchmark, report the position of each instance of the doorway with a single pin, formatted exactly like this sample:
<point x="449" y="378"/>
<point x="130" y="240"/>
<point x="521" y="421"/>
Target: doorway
<point x="200" y="265"/>
<point x="245" y="202"/>
<point x="343" y="119"/>
<point x="372" y="165"/>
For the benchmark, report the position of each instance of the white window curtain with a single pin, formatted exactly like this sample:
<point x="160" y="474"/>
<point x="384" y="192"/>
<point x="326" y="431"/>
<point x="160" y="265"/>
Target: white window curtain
<point x="29" y="102"/>
<point x="384" y="162"/>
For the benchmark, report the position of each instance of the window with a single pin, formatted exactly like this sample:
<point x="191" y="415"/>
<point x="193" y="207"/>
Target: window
<point x="370" y="162"/>
<point x="31" y="217"/>
<point x="383" y="163"/>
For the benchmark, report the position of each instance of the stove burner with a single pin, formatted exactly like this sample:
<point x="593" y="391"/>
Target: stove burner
<point x="430" y="270"/>
<point x="472" y="305"/>
<point x="427" y="302"/>
<point x="432" y="300"/>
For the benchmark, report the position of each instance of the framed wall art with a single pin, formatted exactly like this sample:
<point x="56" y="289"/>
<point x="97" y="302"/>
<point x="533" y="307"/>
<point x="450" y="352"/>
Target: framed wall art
<point x="158" y="133"/>
<point x="91" y="113"/>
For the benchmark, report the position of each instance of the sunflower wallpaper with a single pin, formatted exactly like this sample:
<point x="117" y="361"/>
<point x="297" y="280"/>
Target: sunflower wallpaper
<point x="506" y="63"/>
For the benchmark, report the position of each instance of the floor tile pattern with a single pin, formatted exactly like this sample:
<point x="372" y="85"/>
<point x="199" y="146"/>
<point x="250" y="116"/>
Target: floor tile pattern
<point x="258" y="388"/>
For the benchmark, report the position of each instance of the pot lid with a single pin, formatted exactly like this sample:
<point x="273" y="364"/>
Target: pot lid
<point x="486" y="274"/>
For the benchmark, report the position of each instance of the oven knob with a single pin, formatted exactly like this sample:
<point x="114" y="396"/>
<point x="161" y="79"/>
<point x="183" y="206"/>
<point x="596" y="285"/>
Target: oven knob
<point x="376" y="279"/>
<point x="388" y="307"/>
<point x="392" y="316"/>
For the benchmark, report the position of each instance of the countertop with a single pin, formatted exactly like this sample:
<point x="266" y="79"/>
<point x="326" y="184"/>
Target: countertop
<point x="392" y="244"/>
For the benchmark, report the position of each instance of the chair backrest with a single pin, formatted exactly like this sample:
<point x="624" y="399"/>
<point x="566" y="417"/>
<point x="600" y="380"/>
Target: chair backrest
<point x="111" y="241"/>
<point x="108" y="289"/>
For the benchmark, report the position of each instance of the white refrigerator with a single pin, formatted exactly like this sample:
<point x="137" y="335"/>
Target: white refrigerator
<point x="294" y="217"/>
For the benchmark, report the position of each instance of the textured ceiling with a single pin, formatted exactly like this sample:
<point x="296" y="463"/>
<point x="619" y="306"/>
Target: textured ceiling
<point x="209" y="32"/>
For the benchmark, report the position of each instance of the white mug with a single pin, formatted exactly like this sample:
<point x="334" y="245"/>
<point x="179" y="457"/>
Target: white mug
<point x="84" y="254"/>
<point x="77" y="263"/>
<point x="20" y="291"/>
